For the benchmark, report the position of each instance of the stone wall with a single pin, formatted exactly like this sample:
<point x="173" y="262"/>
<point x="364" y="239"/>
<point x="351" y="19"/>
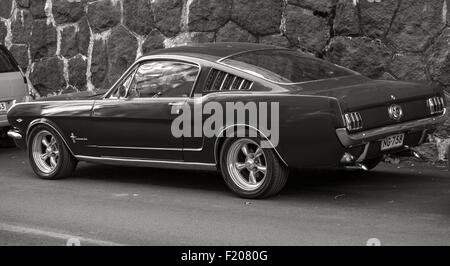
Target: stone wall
<point x="75" y="45"/>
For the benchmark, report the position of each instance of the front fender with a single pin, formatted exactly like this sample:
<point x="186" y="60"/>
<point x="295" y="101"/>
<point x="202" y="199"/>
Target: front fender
<point x="52" y="125"/>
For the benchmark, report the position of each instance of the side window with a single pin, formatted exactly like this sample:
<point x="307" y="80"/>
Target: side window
<point x="5" y="63"/>
<point x="163" y="79"/>
<point x="120" y="91"/>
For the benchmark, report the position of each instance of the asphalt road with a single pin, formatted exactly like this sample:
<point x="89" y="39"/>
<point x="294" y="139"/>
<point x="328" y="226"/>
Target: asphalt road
<point x="107" y="205"/>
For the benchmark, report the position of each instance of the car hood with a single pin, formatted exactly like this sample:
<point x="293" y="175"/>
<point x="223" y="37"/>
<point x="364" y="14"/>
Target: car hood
<point x="357" y="91"/>
<point x="84" y="95"/>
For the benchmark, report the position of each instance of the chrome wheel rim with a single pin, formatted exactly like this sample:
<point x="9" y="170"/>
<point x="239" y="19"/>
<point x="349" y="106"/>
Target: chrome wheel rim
<point x="45" y="151"/>
<point x="247" y="165"/>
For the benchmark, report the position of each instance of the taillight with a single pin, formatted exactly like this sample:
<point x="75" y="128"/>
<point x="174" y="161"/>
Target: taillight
<point x="354" y="121"/>
<point x="436" y="105"/>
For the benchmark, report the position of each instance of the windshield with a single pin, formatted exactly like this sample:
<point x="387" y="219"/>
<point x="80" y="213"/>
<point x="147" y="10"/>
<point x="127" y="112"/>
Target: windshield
<point x="286" y="66"/>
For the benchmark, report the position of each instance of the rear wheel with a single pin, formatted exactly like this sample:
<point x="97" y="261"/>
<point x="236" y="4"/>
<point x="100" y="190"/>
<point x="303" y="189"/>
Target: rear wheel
<point x="251" y="171"/>
<point x="49" y="157"/>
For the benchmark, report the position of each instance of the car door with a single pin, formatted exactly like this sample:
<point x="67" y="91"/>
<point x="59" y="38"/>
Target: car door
<point x="135" y="120"/>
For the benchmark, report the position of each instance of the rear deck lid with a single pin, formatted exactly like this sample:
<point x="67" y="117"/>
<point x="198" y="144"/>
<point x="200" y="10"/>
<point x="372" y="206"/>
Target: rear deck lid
<point x="357" y="92"/>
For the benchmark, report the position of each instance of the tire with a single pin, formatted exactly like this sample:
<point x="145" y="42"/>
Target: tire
<point x="44" y="142"/>
<point x="253" y="172"/>
<point x="372" y="163"/>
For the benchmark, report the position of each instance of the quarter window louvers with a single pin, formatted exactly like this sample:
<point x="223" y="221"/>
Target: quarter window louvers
<point x="236" y="83"/>
<point x="228" y="81"/>
<point x="246" y="85"/>
<point x="221" y="81"/>
<point x="210" y="81"/>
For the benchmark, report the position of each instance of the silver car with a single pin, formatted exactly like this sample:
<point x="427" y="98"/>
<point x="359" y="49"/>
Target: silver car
<point x="13" y="89"/>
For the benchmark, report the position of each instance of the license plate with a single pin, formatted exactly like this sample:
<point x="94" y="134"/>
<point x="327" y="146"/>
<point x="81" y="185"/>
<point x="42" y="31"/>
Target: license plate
<point x="2" y="106"/>
<point x="392" y="142"/>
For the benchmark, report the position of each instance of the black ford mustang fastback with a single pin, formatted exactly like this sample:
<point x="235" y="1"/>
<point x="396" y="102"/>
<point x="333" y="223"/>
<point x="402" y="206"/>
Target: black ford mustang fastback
<point x="290" y="111"/>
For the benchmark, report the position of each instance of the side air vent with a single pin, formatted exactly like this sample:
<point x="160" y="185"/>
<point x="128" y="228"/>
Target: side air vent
<point x="223" y="81"/>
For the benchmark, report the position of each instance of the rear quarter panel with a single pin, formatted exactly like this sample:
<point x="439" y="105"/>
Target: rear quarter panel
<point x="307" y="126"/>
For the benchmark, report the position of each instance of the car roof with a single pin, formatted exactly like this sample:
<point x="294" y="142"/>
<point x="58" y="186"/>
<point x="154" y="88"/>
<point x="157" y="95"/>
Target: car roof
<point x="212" y="51"/>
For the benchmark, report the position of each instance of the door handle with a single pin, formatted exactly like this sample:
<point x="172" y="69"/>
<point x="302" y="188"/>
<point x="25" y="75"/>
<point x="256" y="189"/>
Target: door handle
<point x="178" y="106"/>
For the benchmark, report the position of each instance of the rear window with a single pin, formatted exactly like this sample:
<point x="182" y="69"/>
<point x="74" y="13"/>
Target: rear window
<point x="286" y="66"/>
<point x="6" y="63"/>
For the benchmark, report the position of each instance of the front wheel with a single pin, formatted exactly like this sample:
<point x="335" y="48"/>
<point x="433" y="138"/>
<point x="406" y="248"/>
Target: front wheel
<point x="251" y="171"/>
<point x="49" y="157"/>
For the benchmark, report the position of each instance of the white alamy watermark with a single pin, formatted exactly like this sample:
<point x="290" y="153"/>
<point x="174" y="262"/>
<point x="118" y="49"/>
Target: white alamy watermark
<point x="220" y="119"/>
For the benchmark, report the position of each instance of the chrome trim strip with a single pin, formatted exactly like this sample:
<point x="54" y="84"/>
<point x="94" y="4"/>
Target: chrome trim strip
<point x="149" y="163"/>
<point x="249" y="51"/>
<point x="132" y="75"/>
<point x="55" y="101"/>
<point x="363" y="137"/>
<point x="134" y="148"/>
<point x="194" y="149"/>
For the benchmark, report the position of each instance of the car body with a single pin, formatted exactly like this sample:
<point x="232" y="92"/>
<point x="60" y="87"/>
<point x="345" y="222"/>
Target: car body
<point x="13" y="87"/>
<point x="329" y="116"/>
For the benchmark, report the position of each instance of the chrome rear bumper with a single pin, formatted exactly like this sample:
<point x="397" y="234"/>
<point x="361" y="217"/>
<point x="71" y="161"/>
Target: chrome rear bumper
<point x="349" y="140"/>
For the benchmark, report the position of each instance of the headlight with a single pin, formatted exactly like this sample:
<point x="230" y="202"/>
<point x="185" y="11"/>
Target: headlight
<point x="436" y="105"/>
<point x="354" y="121"/>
